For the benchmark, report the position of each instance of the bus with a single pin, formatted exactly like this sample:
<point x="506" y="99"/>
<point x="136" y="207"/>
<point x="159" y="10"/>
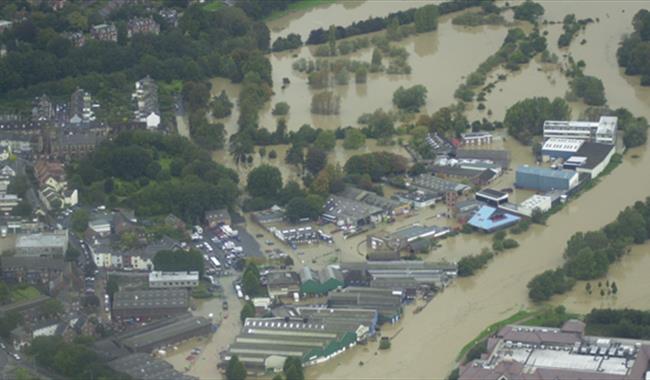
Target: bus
<point x="215" y="262"/>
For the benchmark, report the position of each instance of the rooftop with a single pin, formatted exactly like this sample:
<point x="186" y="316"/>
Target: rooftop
<point x="562" y="145"/>
<point x="160" y="336"/>
<point x="430" y="182"/>
<point x="144" y="367"/>
<point x="173" y="276"/>
<point x="489" y="218"/>
<point x="546" y="172"/>
<point x="44" y="239"/>
<point x="594" y="153"/>
<point x="492" y="194"/>
<point x="341" y="207"/>
<point x="151" y="299"/>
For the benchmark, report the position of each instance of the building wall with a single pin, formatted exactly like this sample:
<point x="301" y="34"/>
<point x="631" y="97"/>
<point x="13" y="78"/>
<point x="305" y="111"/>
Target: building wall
<point x="544" y="183"/>
<point x="595" y="172"/>
<point x="147" y="313"/>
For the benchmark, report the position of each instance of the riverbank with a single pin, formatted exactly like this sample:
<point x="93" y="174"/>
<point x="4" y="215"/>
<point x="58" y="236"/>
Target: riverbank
<point x="298" y="6"/>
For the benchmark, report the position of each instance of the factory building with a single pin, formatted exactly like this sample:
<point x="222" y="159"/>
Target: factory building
<point x="187" y="279"/>
<point x="489" y="219"/>
<point x="529" y="352"/>
<point x="591" y="158"/>
<point x="491" y="197"/>
<point x="314" y="335"/>
<point x="386" y="302"/>
<point x="560" y="148"/>
<point x="601" y="131"/>
<point x="545" y="179"/>
<point x="149" y="304"/>
<point x="328" y="279"/>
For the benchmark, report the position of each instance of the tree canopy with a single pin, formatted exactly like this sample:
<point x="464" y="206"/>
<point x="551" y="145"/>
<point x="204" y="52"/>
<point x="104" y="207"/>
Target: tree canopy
<point x="410" y="99"/>
<point x="178" y="261"/>
<point x="264" y="181"/>
<point x="529" y="11"/>
<point x="376" y="165"/>
<point x="634" y="51"/>
<point x="525" y="118"/>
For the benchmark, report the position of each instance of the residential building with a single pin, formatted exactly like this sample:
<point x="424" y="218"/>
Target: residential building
<point x="490" y="219"/>
<point x="545" y="179"/>
<point x="44" y="244"/>
<point x="491" y="197"/>
<point x="601" y="131"/>
<point x="104" y="32"/>
<point x="216" y="217"/>
<point x="8" y="202"/>
<point x="4" y="25"/>
<point x="50" y="173"/>
<point x="438" y="144"/>
<point x="142" y="25"/>
<point x="149" y="304"/>
<point x="476" y="138"/>
<point x="146" y="97"/>
<point x="42" y="110"/>
<point x="324" y="281"/>
<point x="591" y="158"/>
<point x="186" y="279"/>
<point x="107" y="255"/>
<point x="349" y="212"/>
<point x="170" y="16"/>
<point x="313" y="335"/>
<point x="143" y="366"/>
<point x="81" y="107"/>
<point x="76" y="38"/>
<point x="46" y="273"/>
<point x="434" y="184"/>
<point x="68" y="145"/>
<point x="531" y="352"/>
<point x="282" y="284"/>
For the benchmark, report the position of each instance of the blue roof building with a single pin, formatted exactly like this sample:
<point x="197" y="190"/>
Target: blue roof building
<point x="545" y="179"/>
<point x="490" y="219"/>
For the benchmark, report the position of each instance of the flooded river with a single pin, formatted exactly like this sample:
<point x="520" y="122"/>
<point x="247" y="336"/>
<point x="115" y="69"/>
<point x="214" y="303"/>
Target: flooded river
<point x="429" y="341"/>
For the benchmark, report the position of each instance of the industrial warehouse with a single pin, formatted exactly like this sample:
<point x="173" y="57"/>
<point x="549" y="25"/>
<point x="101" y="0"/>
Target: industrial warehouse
<point x="314" y="335"/>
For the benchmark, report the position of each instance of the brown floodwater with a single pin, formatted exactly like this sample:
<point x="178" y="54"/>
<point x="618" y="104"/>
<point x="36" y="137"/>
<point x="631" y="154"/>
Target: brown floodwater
<point x="428" y="342"/>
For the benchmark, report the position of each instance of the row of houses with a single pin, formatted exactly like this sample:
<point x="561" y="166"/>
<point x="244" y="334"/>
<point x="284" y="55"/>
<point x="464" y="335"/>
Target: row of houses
<point x="109" y="32"/>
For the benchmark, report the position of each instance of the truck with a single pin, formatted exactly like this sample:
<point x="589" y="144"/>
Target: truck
<point x="215" y="262"/>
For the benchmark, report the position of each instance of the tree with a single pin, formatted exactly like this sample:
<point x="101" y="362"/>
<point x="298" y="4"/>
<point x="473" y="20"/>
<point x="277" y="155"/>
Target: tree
<point x="325" y="141"/>
<point x="79" y="220"/>
<point x="331" y="39"/>
<point x="376" y="58"/>
<point x="354" y="139"/>
<point x="292" y="368"/>
<point x="179" y="261"/>
<point x="410" y="99"/>
<point x="302" y="207"/>
<point x="590" y="89"/>
<point x="281" y="109"/>
<point x="264" y="181"/>
<point x="235" y="369"/>
<point x="525" y="118"/>
<point x="295" y="155"/>
<point x="251" y="285"/>
<point x="614" y="288"/>
<point x="18" y="185"/>
<point x="426" y="18"/>
<point x="247" y="311"/>
<point x="316" y="159"/>
<point x="325" y="103"/>
<point x="221" y="106"/>
<point x="588" y="287"/>
<point x="529" y="11"/>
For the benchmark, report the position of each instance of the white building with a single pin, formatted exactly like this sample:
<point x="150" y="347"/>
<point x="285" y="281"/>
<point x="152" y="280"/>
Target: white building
<point x="601" y="131"/>
<point x="476" y="138"/>
<point x="158" y="279"/>
<point x="8" y="202"/>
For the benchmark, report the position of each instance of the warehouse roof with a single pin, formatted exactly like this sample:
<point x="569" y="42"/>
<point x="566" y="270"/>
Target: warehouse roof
<point x="489" y="218"/>
<point x="547" y="172"/>
<point x="419" y="231"/>
<point x="164" y="333"/>
<point x="151" y="299"/>
<point x="44" y="239"/>
<point x="594" y="153"/>
<point x="429" y="182"/>
<point x="562" y="145"/>
<point x="492" y="194"/>
<point x="144" y="367"/>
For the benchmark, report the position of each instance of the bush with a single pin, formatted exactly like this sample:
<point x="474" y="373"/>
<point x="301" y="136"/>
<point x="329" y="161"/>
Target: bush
<point x="410" y="99"/>
<point x="281" y="109"/>
<point x="470" y="264"/>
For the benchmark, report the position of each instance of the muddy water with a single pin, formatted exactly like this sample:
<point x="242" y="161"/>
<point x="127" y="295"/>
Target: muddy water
<point x="430" y="340"/>
<point x="437" y="63"/>
<point x="341" y="13"/>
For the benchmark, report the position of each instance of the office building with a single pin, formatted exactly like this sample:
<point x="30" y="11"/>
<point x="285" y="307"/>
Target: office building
<point x="601" y="131"/>
<point x="169" y="280"/>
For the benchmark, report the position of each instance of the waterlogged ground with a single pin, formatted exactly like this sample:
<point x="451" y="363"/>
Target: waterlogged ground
<point x="425" y="345"/>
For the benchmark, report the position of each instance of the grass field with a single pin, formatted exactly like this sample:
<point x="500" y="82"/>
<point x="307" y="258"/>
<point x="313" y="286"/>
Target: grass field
<point x="298" y="6"/>
<point x="213" y="5"/>
<point x="24" y="294"/>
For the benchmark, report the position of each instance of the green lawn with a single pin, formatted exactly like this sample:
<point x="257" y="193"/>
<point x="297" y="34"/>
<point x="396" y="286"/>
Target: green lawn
<point x="24" y="294"/>
<point x="213" y="5"/>
<point x="298" y="6"/>
<point x="522" y="314"/>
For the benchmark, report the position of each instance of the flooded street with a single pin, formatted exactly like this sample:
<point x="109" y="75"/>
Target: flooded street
<point x="429" y="341"/>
